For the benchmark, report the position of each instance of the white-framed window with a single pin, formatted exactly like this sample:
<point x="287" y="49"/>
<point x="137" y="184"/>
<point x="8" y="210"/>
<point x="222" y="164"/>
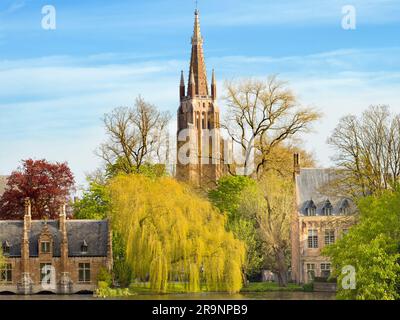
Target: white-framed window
<point x="311" y="211"/>
<point x="84" y="272"/>
<point x="325" y="270"/>
<point x="327" y="211"/>
<point x="313" y="238"/>
<point x="6" y="273"/>
<point x="310" y="268"/>
<point x="45" y="247"/>
<point x="329" y="236"/>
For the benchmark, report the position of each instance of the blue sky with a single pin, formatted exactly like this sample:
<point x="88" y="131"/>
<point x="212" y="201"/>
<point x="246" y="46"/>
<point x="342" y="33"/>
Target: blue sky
<point x="56" y="85"/>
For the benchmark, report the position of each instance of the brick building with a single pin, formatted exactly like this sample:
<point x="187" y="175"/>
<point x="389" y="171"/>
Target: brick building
<point x="59" y="256"/>
<point x="199" y="137"/>
<point x="321" y="216"/>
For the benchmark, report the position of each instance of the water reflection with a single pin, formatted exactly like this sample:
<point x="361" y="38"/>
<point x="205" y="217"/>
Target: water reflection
<point x="199" y="296"/>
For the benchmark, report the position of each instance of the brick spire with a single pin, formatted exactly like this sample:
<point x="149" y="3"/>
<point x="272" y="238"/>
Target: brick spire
<point x="197" y="64"/>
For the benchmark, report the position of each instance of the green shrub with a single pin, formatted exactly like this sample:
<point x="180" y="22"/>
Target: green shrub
<point x="104" y="276"/>
<point x="308" y="287"/>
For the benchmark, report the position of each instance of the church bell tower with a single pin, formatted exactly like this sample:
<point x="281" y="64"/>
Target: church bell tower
<point x="199" y="144"/>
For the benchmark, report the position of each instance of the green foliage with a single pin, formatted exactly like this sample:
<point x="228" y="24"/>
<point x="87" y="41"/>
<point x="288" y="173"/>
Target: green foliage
<point x="103" y="291"/>
<point x="2" y="260"/>
<point x="121" y="166"/>
<point x="104" y="276"/>
<point x="173" y="235"/>
<point x="94" y="203"/>
<point x="270" y="286"/>
<point x="308" y="287"/>
<point x="227" y="197"/>
<point x="372" y="248"/>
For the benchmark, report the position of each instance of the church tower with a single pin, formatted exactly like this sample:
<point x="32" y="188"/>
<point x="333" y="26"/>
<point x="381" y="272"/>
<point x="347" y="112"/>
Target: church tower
<point x="199" y="144"/>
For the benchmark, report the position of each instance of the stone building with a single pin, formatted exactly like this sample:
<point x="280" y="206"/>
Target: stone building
<point x="321" y="217"/>
<point x="199" y="144"/>
<point x="59" y="256"/>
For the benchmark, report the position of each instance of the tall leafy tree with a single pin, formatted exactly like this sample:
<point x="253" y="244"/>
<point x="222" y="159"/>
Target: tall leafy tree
<point x="173" y="235"/>
<point x="271" y="203"/>
<point x="48" y="185"/>
<point x="227" y="197"/>
<point x="372" y="248"/>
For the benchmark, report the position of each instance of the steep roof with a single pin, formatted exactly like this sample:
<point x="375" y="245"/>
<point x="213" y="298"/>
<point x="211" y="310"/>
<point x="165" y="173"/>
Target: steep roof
<point x="314" y="186"/>
<point x="94" y="232"/>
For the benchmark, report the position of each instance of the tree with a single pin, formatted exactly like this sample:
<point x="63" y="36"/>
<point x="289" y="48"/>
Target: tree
<point x="173" y="235"/>
<point x="368" y="151"/>
<point x="135" y="136"/>
<point x="94" y="203"/>
<point x="260" y="116"/>
<point x="47" y="185"/>
<point x="271" y="202"/>
<point x="372" y="247"/>
<point x="2" y="260"/>
<point x="227" y="198"/>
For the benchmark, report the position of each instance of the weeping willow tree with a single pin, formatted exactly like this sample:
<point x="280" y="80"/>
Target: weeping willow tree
<point x="173" y="235"/>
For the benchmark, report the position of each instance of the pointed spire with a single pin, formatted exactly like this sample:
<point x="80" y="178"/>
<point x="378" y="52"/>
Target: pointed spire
<point x="182" y="79"/>
<point x="182" y="86"/>
<point x="197" y="65"/>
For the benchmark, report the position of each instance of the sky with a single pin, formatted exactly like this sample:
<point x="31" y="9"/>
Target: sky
<point x="56" y="85"/>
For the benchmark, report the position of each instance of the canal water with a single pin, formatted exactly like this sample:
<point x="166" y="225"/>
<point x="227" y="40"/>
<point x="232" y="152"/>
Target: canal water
<point x="199" y="296"/>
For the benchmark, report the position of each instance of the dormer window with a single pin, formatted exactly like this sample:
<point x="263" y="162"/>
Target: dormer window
<point x="327" y="209"/>
<point x="311" y="209"/>
<point x="84" y="247"/>
<point x="6" y="248"/>
<point x="45" y="247"/>
<point x="345" y="207"/>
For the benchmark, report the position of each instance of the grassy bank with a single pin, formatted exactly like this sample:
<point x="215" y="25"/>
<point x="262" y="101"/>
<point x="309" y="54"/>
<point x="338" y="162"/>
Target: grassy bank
<point x="270" y="286"/>
<point x="179" y="288"/>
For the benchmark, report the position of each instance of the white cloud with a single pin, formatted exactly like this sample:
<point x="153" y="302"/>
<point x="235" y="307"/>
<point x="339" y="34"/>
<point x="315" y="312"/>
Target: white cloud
<point x="52" y="107"/>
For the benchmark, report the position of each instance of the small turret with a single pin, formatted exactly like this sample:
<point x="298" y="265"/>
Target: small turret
<point x="182" y="87"/>
<point x="192" y="85"/>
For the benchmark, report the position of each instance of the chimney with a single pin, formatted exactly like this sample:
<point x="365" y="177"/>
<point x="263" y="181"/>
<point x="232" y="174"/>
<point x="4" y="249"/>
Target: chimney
<point x="27" y="215"/>
<point x="296" y="164"/>
<point x="63" y="218"/>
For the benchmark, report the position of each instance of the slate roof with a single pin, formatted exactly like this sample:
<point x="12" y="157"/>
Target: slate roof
<point x="94" y="232"/>
<point x="313" y="187"/>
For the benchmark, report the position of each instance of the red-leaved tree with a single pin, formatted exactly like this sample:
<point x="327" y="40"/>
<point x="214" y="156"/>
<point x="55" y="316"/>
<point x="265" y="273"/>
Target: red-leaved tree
<point x="48" y="185"/>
